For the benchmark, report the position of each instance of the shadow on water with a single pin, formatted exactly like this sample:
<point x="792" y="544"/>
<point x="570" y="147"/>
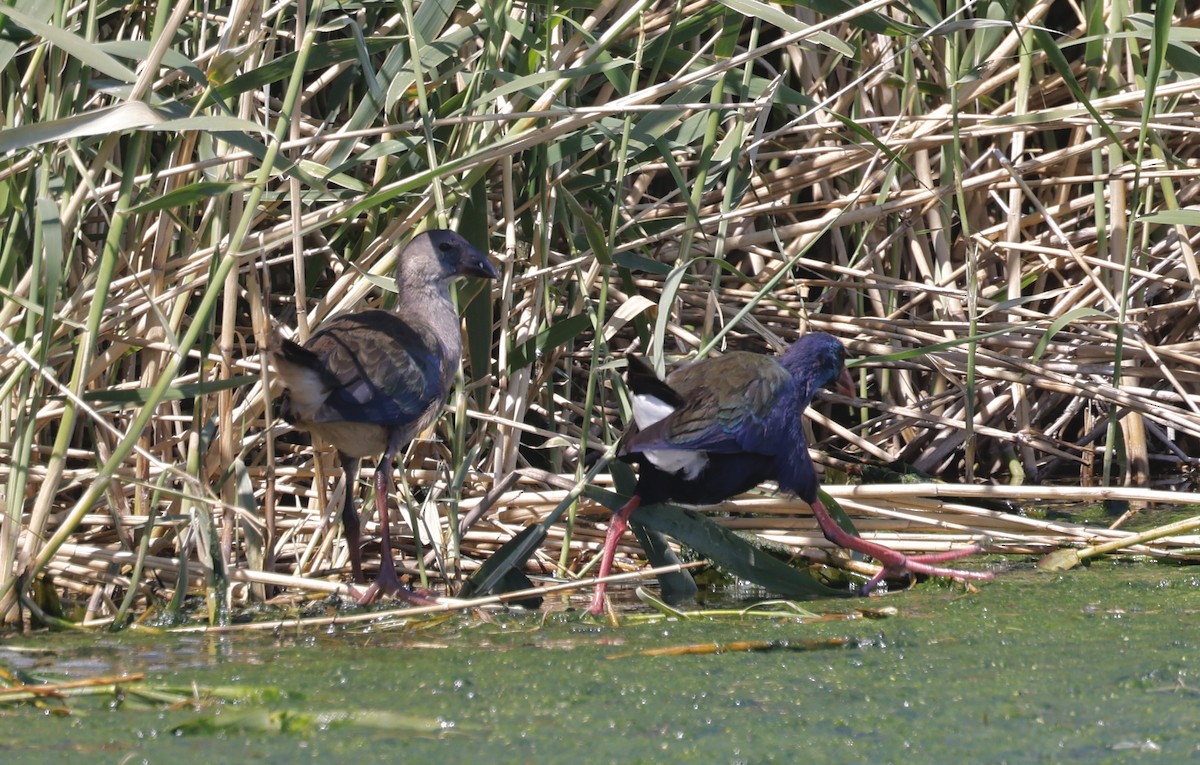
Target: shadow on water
<point x="1093" y="665"/>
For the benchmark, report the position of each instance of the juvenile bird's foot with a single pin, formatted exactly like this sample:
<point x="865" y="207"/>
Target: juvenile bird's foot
<point x="387" y="583"/>
<point x="398" y="591"/>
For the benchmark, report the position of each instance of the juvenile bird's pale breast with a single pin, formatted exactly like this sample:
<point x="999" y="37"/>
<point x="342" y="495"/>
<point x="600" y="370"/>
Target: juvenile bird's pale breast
<point x="354" y="439"/>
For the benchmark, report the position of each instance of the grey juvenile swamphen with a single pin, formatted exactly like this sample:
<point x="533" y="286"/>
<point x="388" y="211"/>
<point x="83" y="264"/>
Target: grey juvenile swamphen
<point x="368" y="382"/>
<point x="721" y="426"/>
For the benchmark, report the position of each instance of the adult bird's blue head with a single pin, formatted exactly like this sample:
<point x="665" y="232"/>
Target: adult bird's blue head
<point x="815" y="361"/>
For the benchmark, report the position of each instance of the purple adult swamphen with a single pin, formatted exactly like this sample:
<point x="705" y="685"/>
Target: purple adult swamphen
<point x="719" y="427"/>
<point x="369" y="382"/>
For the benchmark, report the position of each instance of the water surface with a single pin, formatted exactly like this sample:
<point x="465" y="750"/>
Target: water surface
<point x="1094" y="665"/>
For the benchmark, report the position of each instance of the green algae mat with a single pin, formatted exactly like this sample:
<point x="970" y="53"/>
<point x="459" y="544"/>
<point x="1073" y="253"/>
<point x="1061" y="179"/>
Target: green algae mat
<point x="1092" y="665"/>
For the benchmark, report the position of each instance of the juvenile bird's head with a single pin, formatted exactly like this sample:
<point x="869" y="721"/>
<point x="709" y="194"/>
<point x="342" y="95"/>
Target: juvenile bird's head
<point x="440" y="256"/>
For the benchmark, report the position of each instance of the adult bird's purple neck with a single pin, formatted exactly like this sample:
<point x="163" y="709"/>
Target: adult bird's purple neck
<point x="814" y="361"/>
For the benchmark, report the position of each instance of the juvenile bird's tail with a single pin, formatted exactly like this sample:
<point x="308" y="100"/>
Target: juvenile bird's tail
<point x="304" y="375"/>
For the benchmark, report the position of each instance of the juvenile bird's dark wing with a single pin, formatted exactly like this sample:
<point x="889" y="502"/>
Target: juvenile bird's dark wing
<point x="379" y="369"/>
<point x="728" y="403"/>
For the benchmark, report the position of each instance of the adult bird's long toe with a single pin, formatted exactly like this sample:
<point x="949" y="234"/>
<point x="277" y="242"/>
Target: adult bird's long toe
<point x="718" y="427"/>
<point x="368" y="382"/>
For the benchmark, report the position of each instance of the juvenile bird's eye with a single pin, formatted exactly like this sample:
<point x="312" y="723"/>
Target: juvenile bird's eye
<point x="445" y="247"/>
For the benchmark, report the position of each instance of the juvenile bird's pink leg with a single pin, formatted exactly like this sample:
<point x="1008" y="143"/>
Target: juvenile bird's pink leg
<point x="894" y="562"/>
<point x="387" y="583"/>
<point x="350" y="522"/>
<point x="616" y="528"/>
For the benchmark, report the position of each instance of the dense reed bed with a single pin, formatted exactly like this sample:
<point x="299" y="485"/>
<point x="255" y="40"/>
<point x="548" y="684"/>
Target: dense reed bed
<point x="993" y="204"/>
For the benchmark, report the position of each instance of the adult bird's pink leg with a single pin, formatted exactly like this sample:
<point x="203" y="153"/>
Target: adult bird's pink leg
<point x="616" y="528"/>
<point x="894" y="562"/>
<point x="387" y="583"/>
